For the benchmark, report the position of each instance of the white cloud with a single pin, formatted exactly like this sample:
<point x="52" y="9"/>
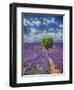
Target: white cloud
<point x="48" y="21"/>
<point x="44" y="23"/>
<point x="45" y="19"/>
<point x="51" y="29"/>
<point x="24" y="22"/>
<point x="36" y="22"/>
<point x="45" y="31"/>
<point x="59" y="30"/>
<point x="60" y="26"/>
<point x="33" y="31"/>
<point x="36" y="19"/>
<point x="29" y="38"/>
<point x="32" y="22"/>
<point x="38" y="37"/>
<point x="59" y="36"/>
<point x="53" y="20"/>
<point x="27" y="22"/>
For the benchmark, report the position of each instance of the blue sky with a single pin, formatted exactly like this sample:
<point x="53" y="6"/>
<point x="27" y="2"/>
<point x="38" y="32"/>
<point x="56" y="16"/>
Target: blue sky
<point x="37" y="27"/>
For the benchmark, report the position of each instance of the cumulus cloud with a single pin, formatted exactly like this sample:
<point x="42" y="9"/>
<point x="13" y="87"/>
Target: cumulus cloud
<point x="33" y="31"/>
<point x="59" y="30"/>
<point x="60" y="26"/>
<point x="51" y="29"/>
<point x="44" y="23"/>
<point x="59" y="37"/>
<point x="27" y="22"/>
<point x="44" y="31"/>
<point x="52" y="20"/>
<point x="32" y="22"/>
<point x="45" y="19"/>
<point x="48" y="21"/>
<point x="36" y="34"/>
<point x="38" y="37"/>
<point x="36" y="19"/>
<point x="36" y="22"/>
<point x="28" y="38"/>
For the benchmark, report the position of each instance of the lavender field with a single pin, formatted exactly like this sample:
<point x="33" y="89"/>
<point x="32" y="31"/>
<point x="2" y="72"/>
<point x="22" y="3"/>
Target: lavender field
<point x="42" y="44"/>
<point x="36" y="60"/>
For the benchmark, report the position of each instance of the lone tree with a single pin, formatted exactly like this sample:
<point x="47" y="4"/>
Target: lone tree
<point x="47" y="42"/>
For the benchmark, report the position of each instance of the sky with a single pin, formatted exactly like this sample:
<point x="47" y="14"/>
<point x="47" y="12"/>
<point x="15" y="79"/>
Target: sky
<point x="37" y="27"/>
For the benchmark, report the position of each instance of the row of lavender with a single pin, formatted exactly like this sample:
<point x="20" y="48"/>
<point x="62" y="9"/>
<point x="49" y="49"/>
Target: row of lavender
<point x="35" y="59"/>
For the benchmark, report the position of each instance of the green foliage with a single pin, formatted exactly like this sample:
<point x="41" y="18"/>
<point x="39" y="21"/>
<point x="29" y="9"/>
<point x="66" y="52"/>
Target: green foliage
<point x="47" y="42"/>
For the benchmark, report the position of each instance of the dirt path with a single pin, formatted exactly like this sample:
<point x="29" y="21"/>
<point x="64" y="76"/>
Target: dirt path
<point x="53" y="68"/>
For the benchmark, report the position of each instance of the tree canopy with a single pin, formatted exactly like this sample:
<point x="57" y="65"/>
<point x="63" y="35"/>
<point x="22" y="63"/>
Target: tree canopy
<point x="47" y="42"/>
